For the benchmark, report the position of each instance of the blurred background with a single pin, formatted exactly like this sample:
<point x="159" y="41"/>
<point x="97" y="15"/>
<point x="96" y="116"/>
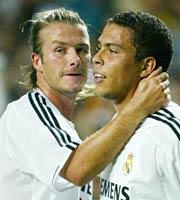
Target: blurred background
<point x="93" y="113"/>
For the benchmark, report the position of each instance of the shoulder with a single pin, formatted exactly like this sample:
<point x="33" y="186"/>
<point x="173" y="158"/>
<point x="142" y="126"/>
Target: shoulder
<point x="167" y="120"/>
<point x="13" y="117"/>
<point x="15" y="107"/>
<point x="26" y="108"/>
<point x="164" y="126"/>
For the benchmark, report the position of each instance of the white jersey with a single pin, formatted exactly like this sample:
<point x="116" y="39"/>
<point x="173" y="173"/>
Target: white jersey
<point x="148" y="168"/>
<point x="35" y="142"/>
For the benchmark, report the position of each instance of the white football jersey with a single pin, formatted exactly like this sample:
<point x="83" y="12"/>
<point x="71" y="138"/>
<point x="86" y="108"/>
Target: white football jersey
<point x="35" y="142"/>
<point x="148" y="168"/>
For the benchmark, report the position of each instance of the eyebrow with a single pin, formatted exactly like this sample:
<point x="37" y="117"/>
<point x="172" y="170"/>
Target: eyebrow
<point x="109" y="44"/>
<point x="59" y="42"/>
<point x="66" y="44"/>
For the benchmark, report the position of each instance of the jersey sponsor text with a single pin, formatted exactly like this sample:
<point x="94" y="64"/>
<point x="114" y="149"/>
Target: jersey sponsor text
<point x="113" y="190"/>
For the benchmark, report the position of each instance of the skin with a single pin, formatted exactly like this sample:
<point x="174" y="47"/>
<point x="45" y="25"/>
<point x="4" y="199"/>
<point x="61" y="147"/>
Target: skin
<point x="61" y="73"/>
<point x="115" y="61"/>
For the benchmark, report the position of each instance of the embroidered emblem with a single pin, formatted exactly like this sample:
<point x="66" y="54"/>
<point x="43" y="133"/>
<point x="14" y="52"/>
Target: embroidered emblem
<point x="128" y="165"/>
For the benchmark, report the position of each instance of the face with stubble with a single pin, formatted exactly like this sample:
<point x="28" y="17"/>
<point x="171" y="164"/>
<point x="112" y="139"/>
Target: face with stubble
<point x="65" y="58"/>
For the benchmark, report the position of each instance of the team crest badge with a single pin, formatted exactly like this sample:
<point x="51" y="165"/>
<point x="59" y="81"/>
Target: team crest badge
<point x="128" y="165"/>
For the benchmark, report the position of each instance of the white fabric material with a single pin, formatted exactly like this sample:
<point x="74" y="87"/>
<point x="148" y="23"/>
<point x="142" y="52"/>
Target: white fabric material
<point x="35" y="142"/>
<point x="148" y="168"/>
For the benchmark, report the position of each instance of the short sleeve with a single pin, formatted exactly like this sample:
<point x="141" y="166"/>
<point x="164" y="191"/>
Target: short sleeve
<point x="39" y="150"/>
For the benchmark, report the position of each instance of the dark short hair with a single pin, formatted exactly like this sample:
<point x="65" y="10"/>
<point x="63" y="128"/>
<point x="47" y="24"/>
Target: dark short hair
<point x="39" y="21"/>
<point x="151" y="36"/>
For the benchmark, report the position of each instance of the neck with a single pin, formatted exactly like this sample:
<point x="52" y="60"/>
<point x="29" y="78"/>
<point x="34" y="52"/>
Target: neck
<point x="120" y="104"/>
<point x="64" y="103"/>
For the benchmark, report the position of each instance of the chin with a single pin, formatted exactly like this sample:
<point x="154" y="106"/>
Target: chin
<point x="107" y="95"/>
<point x="74" y="90"/>
<point x="103" y="94"/>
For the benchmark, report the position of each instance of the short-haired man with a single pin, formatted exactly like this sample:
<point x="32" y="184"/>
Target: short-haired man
<point x="130" y="47"/>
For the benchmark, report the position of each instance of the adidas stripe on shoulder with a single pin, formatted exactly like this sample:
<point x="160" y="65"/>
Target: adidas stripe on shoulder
<point x="168" y="118"/>
<point x="47" y="117"/>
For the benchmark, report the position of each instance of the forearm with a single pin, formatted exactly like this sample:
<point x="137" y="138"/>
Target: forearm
<point x="97" y="151"/>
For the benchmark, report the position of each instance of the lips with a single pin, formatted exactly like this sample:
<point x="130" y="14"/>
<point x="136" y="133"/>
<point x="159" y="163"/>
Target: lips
<point x="98" y="77"/>
<point x="73" y="74"/>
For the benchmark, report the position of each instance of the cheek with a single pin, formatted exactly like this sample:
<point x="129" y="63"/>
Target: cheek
<point x="119" y="73"/>
<point x="52" y="70"/>
<point x="86" y="64"/>
<point x="54" y="62"/>
<point x="116" y="70"/>
<point x="50" y="75"/>
<point x="55" y="59"/>
<point x="86" y="60"/>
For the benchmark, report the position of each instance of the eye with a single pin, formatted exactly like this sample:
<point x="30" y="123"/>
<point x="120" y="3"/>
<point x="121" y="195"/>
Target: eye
<point x="60" y="50"/>
<point x="98" y="48"/>
<point x="112" y="51"/>
<point x="82" y="50"/>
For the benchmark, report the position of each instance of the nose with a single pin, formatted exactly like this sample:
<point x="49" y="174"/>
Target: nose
<point x="97" y="59"/>
<point x="74" y="58"/>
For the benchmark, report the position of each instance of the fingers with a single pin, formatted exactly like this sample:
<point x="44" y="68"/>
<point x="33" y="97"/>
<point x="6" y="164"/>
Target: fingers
<point x="164" y="76"/>
<point x="167" y="93"/>
<point x="169" y="98"/>
<point x="159" y="74"/>
<point x="165" y="89"/>
<point x="156" y="72"/>
<point x="154" y="92"/>
<point x="165" y="84"/>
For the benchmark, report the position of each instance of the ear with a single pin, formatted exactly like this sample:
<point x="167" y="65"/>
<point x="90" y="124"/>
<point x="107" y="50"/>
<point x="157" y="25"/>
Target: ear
<point x="149" y="64"/>
<point x="37" y="62"/>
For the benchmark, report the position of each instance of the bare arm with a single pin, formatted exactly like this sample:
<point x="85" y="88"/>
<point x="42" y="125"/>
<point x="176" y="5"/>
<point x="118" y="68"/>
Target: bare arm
<point x="97" y="151"/>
